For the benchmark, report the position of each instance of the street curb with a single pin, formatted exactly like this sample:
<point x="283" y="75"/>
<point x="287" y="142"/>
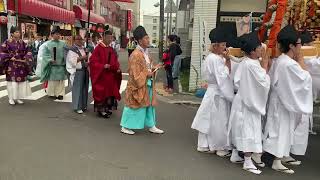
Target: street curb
<point x="186" y="102"/>
<point x="167" y="100"/>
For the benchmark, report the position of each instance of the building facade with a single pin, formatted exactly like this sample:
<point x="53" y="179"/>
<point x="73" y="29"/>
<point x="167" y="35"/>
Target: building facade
<point x="152" y="25"/>
<point x="37" y="16"/>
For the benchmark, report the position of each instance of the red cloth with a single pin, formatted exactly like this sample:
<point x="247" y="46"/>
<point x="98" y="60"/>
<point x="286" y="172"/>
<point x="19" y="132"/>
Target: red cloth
<point x="166" y="58"/>
<point x="105" y="82"/>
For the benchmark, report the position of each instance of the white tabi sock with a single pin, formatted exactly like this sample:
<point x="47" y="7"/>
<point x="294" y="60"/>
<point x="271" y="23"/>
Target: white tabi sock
<point x="249" y="166"/>
<point x="235" y="158"/>
<point x="278" y="166"/>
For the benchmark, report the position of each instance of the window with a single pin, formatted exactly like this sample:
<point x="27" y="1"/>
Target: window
<point x="174" y="21"/>
<point x="155" y="21"/>
<point x="154" y="27"/>
<point x="154" y="41"/>
<point x="154" y="34"/>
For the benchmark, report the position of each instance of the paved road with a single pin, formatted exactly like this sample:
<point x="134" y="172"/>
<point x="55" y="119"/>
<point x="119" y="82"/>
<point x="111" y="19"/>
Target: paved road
<point x="45" y="140"/>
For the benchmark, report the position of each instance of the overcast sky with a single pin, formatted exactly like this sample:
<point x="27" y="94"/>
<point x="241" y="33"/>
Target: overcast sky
<point x="148" y="8"/>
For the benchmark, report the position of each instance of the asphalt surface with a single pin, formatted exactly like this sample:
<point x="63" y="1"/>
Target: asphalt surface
<point x="46" y="140"/>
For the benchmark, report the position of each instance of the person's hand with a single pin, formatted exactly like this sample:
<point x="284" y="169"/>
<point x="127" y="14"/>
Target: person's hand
<point x="52" y="61"/>
<point x="84" y="58"/>
<point x="158" y="66"/>
<point x="119" y="71"/>
<point x="299" y="56"/>
<point x="226" y="54"/>
<point x="300" y="60"/>
<point x="150" y="74"/>
<point x="13" y="58"/>
<point x="107" y="66"/>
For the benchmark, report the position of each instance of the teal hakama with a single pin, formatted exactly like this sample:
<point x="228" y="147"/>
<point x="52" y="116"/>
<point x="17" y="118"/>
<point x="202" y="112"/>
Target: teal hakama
<point x="139" y="118"/>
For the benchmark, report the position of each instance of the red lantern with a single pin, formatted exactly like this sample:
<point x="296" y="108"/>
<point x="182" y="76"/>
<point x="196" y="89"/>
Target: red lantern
<point x="3" y="20"/>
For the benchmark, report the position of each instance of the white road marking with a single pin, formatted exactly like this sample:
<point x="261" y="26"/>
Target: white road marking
<point x="40" y="93"/>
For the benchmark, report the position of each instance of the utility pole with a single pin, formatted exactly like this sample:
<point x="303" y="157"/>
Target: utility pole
<point x="170" y="23"/>
<point x="176" y="22"/>
<point x="89" y="4"/>
<point x="161" y="29"/>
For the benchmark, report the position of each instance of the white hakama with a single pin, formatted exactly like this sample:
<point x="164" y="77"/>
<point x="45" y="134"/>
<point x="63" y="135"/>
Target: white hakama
<point x="289" y="109"/>
<point x="56" y="88"/>
<point x="212" y="117"/>
<point x="18" y="90"/>
<point x="248" y="106"/>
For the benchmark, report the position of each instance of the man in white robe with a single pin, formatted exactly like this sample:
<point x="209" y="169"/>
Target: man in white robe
<point x="212" y="117"/>
<point x="290" y="104"/>
<point x="313" y="66"/>
<point x="249" y="105"/>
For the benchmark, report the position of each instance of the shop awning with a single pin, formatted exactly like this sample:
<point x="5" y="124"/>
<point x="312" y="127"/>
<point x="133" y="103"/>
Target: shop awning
<point x="43" y="10"/>
<point x="82" y="14"/>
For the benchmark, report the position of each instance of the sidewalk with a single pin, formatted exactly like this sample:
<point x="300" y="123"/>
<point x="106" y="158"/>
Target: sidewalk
<point x="177" y="98"/>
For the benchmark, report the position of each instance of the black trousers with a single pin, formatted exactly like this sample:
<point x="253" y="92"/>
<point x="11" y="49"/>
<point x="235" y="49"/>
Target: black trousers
<point x="168" y="69"/>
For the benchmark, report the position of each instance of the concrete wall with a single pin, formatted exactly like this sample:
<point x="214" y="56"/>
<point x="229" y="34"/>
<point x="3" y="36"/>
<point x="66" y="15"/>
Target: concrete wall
<point x="207" y="10"/>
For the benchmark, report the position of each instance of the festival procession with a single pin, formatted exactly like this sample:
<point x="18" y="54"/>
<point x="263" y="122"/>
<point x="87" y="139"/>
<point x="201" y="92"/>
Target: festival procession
<point x="159" y="89"/>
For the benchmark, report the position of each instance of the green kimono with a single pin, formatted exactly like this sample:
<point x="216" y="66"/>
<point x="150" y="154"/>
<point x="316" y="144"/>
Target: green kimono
<point x="54" y="71"/>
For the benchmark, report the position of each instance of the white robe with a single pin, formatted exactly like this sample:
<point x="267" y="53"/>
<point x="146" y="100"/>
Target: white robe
<point x="212" y="117"/>
<point x="289" y="110"/>
<point x="313" y="66"/>
<point x="248" y="106"/>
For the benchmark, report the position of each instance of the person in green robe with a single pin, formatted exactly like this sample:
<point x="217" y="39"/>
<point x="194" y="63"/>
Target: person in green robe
<point x="53" y="67"/>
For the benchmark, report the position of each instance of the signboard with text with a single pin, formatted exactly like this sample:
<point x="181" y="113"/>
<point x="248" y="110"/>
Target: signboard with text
<point x="203" y="42"/>
<point x="129" y="20"/>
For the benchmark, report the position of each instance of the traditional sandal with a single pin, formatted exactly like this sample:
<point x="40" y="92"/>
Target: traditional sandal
<point x="238" y="162"/>
<point x="253" y="170"/>
<point x="292" y="162"/>
<point x="225" y="155"/>
<point x="286" y="170"/>
<point x="260" y="164"/>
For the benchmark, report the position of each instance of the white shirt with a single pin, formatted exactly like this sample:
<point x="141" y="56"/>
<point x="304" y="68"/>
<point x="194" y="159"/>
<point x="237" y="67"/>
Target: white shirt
<point x="72" y="64"/>
<point x="146" y="57"/>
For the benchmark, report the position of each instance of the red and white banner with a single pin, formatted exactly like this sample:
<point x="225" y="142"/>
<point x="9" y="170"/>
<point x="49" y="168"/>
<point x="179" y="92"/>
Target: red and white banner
<point x="129" y="20"/>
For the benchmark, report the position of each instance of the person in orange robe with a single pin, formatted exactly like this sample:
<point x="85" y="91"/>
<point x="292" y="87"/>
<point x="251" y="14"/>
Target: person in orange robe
<point x="105" y="76"/>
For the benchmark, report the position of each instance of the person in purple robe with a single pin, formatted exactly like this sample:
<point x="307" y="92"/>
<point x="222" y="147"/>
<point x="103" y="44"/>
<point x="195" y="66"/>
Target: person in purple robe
<point x="16" y="64"/>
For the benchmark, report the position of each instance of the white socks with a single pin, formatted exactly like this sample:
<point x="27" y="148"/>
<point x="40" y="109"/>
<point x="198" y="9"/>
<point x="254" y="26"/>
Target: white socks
<point x="235" y="158"/>
<point x="249" y="166"/>
<point x="278" y="166"/>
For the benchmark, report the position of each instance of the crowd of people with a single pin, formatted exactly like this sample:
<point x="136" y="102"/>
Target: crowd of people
<point x="255" y="105"/>
<point x="94" y="61"/>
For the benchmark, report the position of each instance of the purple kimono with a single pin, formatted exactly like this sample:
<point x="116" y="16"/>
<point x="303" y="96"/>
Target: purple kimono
<point x="15" y="60"/>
